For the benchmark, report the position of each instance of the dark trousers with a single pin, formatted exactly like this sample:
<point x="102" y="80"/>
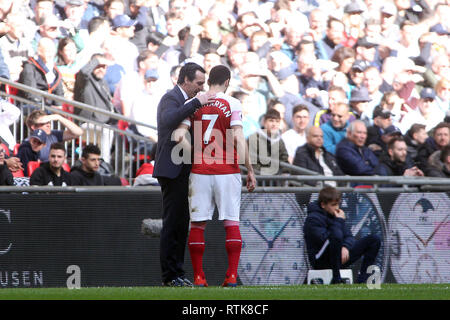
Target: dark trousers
<point x="175" y="225"/>
<point x="331" y="258"/>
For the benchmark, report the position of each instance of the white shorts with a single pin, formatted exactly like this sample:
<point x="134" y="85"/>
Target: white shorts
<point x="206" y="191"/>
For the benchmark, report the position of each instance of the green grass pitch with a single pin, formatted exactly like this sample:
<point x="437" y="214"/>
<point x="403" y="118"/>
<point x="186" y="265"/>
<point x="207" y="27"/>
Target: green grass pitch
<point x="300" y="292"/>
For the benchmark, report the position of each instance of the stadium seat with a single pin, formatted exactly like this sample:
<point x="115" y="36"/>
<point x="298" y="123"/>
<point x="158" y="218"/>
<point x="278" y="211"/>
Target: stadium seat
<point x="324" y="276"/>
<point x="18" y="174"/>
<point x="124" y="182"/>
<point x="11" y="91"/>
<point x="16" y="149"/>
<point x="66" y="167"/>
<point x="31" y="166"/>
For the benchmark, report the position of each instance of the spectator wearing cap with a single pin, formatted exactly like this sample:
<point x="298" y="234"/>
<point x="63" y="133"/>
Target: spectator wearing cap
<point x="354" y="23"/>
<point x="72" y="25"/>
<point x="335" y="129"/>
<point x="396" y="161"/>
<point x="427" y="113"/>
<point x="414" y="138"/>
<point x="440" y="139"/>
<point x="367" y="50"/>
<point x="381" y="131"/>
<point x="30" y="148"/>
<point x="359" y="103"/>
<point x="123" y="51"/>
<point x="335" y="36"/>
<point x="352" y="156"/>
<point x="389" y="29"/>
<point x="356" y="74"/>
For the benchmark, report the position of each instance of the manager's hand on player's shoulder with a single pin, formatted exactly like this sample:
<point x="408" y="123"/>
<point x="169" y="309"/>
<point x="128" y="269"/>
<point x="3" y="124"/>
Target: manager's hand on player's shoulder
<point x="205" y="97"/>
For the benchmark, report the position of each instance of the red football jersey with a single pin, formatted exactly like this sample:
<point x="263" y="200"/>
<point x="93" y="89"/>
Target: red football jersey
<point x="214" y="151"/>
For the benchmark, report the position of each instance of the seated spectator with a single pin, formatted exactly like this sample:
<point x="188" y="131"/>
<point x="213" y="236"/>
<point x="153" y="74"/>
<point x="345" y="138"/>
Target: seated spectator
<point x="9" y="114"/>
<point x="382" y="119"/>
<point x="329" y="240"/>
<point x="396" y="161"/>
<point x="87" y="174"/>
<point x="372" y="81"/>
<point x="443" y="95"/>
<point x="266" y="148"/>
<point x="414" y="138"/>
<point x="6" y="177"/>
<point x="336" y="95"/>
<point x="42" y="74"/>
<point x="353" y="157"/>
<point x="356" y="75"/>
<point x="440" y="139"/>
<point x="388" y="134"/>
<point x="335" y="129"/>
<point x="314" y="157"/>
<point x="51" y="172"/>
<point x="427" y="113"/>
<point x="359" y="103"/>
<point x="39" y="119"/>
<point x="29" y="149"/>
<point x="333" y="39"/>
<point x="296" y="137"/>
<point x="439" y="163"/>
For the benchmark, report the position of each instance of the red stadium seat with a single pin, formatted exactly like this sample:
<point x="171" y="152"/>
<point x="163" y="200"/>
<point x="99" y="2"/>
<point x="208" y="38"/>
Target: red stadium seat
<point x="124" y="181"/>
<point x="16" y="149"/>
<point x="11" y="91"/>
<point x="31" y="166"/>
<point x="18" y="174"/>
<point x="66" y="167"/>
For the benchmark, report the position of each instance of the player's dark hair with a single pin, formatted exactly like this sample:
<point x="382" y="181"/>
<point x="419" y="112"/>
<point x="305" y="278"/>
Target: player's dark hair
<point x="58" y="146"/>
<point x="188" y="71"/>
<point x="219" y="75"/>
<point x="329" y="194"/>
<point x="90" y="149"/>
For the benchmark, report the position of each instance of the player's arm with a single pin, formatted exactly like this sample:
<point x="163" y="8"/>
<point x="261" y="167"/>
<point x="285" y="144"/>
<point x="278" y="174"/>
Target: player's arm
<point x="243" y="153"/>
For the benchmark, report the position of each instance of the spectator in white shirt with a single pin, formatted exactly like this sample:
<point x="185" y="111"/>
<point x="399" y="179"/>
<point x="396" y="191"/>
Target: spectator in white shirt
<point x="296" y="137"/>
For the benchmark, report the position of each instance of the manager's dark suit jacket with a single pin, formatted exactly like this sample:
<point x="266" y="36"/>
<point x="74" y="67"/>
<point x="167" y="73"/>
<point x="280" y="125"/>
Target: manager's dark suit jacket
<point x="171" y="112"/>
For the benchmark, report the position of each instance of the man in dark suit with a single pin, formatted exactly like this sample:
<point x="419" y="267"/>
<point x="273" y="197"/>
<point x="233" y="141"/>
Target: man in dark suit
<point x="173" y="177"/>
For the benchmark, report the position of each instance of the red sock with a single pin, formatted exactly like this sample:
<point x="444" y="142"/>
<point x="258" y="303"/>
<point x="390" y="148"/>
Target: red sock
<point x="233" y="246"/>
<point x="196" y="244"/>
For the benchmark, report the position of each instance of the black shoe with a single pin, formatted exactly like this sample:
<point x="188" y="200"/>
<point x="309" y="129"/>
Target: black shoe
<point x="186" y="281"/>
<point x="338" y="281"/>
<point x="177" y="282"/>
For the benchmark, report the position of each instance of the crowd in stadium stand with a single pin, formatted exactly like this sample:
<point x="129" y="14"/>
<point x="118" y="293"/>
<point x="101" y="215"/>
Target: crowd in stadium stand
<point x="373" y="76"/>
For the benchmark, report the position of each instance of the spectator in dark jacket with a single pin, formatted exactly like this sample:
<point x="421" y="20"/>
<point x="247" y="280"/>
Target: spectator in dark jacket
<point x="42" y="74"/>
<point x="352" y="156"/>
<point x="440" y="139"/>
<point x="92" y="89"/>
<point x="87" y="174"/>
<point x="52" y="172"/>
<point x="382" y="119"/>
<point x="329" y="241"/>
<point x="314" y="157"/>
<point x="440" y="163"/>
<point x="29" y="149"/>
<point x="414" y="138"/>
<point x="6" y="177"/>
<point x="396" y="162"/>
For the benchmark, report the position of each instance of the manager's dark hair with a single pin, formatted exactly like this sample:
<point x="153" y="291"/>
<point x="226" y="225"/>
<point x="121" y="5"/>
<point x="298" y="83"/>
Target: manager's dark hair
<point x="189" y="70"/>
<point x="90" y="149"/>
<point x="218" y="75"/>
